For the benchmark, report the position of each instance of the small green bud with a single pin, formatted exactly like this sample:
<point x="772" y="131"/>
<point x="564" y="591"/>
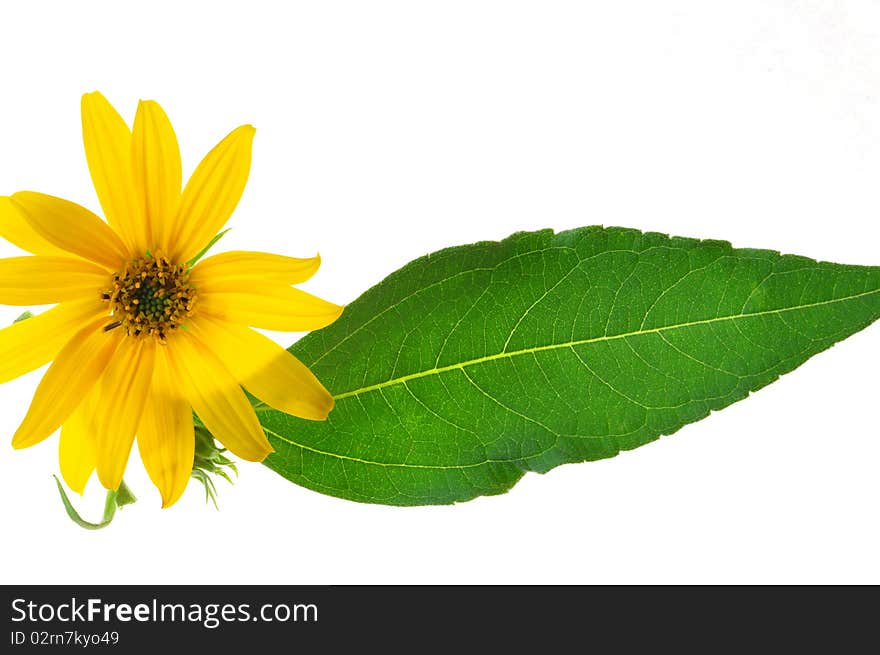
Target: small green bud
<point x="209" y="460"/>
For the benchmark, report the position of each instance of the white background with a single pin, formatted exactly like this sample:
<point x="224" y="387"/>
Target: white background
<point x="388" y="130"/>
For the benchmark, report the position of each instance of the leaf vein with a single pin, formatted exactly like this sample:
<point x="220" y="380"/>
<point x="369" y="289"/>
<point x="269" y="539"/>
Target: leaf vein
<point x="568" y="344"/>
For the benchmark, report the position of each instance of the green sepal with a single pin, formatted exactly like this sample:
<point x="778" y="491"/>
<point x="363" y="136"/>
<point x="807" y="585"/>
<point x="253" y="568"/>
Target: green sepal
<point x="209" y="460"/>
<point x="204" y="250"/>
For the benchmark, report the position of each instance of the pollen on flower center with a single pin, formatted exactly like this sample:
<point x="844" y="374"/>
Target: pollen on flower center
<point x="150" y="297"/>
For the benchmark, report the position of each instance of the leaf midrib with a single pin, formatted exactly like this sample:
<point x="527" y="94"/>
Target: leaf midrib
<point x="516" y="353"/>
<point x="579" y="342"/>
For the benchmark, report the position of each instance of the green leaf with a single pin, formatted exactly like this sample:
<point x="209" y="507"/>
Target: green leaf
<point x="472" y="365"/>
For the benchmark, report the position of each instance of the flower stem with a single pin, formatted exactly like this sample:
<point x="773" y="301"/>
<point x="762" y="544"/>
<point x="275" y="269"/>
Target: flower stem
<point x="115" y="499"/>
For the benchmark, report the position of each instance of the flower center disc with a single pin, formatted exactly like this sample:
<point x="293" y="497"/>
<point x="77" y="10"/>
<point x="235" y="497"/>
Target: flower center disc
<point x="150" y="297"/>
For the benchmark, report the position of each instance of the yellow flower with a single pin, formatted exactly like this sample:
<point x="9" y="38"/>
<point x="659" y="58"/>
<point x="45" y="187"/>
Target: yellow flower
<point x="139" y="337"/>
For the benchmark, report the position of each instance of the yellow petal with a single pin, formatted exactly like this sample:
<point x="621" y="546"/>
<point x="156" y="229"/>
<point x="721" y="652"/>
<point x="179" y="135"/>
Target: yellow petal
<point x="166" y="439"/>
<point x="217" y="399"/>
<point x="16" y="229"/>
<point x="76" y="448"/>
<point x="265" y="369"/>
<point x="29" y="344"/>
<point x="107" y="142"/>
<point x="43" y="280"/>
<point x="270" y="306"/>
<point x="227" y="270"/>
<point x="211" y="194"/>
<point x="156" y="171"/>
<point x="72" y="228"/>
<point x="124" y="390"/>
<point x="71" y="376"/>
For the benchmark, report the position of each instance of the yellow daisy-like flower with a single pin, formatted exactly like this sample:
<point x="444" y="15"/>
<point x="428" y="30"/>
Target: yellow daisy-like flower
<point x="139" y="337"/>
